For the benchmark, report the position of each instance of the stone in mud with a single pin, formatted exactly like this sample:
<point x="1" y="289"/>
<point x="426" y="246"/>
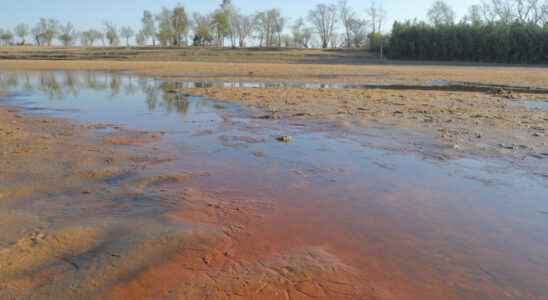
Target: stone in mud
<point x="284" y="139"/>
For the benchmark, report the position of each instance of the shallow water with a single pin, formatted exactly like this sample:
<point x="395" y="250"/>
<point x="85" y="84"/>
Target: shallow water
<point x="534" y="105"/>
<point x="474" y="228"/>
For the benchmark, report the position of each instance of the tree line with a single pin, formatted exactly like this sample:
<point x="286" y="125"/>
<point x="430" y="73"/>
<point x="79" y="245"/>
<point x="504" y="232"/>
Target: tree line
<point x="506" y="31"/>
<point x="225" y="26"/>
<point x="513" y="31"/>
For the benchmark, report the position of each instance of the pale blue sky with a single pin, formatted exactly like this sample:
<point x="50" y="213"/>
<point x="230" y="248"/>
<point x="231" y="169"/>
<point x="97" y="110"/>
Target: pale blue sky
<point x="91" y="13"/>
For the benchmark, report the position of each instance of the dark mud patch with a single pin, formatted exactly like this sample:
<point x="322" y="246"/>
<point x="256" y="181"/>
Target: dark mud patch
<point x="164" y="180"/>
<point x="435" y="85"/>
<point x="132" y="138"/>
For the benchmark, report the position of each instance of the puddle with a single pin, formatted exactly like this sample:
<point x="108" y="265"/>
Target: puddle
<point x="273" y="85"/>
<point x="425" y="220"/>
<point x="534" y="105"/>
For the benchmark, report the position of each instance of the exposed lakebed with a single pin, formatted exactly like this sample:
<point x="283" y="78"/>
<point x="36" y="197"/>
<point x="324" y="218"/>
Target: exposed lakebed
<point x="378" y="201"/>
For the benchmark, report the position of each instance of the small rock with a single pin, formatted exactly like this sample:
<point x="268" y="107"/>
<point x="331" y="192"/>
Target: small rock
<point x="284" y="139"/>
<point x="456" y="147"/>
<point x="538" y="134"/>
<point x="508" y="147"/>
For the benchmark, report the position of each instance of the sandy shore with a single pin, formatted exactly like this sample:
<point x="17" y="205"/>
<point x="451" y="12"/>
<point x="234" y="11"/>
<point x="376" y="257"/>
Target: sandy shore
<point x="393" y="74"/>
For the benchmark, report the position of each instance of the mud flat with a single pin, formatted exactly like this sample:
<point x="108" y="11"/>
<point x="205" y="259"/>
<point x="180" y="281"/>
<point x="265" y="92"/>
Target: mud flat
<point x="468" y="122"/>
<point x="119" y="186"/>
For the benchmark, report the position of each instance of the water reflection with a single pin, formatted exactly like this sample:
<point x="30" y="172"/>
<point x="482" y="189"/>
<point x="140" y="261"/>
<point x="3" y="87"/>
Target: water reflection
<point x="59" y="85"/>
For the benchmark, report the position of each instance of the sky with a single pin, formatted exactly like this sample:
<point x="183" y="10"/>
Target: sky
<point x="91" y="13"/>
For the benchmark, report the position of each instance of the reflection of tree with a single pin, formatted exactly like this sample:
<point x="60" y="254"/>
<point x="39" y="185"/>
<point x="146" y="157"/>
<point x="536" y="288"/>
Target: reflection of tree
<point x="174" y="102"/>
<point x="27" y="85"/>
<point x="49" y="84"/>
<point x="130" y="88"/>
<point x="115" y="84"/>
<point x="8" y="80"/>
<point x="156" y="93"/>
<point x="71" y="83"/>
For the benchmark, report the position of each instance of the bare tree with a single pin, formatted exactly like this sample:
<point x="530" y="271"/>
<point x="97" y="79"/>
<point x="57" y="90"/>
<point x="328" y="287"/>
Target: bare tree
<point x="45" y="30"/>
<point x="348" y="16"/>
<point x="22" y="30"/>
<point x="296" y="32"/>
<point x="67" y="34"/>
<point x="149" y="27"/>
<point x="232" y="16"/>
<point x="324" y="19"/>
<point x="475" y="15"/>
<point x="358" y="32"/>
<point x="127" y="33"/>
<point x="140" y="38"/>
<point x="441" y="14"/>
<point x="111" y="34"/>
<point x="269" y="25"/>
<point x="243" y="28"/>
<point x="180" y="25"/>
<point x="376" y="14"/>
<point x="523" y="11"/>
<point x="89" y="37"/>
<point x="301" y="34"/>
<point x="202" y="29"/>
<point x="165" y="30"/>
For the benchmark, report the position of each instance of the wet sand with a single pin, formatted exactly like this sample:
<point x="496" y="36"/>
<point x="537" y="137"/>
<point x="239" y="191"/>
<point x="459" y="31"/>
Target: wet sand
<point x="100" y="210"/>
<point x="468" y="122"/>
<point x="294" y="72"/>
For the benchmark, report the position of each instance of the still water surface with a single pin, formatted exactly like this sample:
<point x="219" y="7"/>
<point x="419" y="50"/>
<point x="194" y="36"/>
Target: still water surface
<point x="476" y="228"/>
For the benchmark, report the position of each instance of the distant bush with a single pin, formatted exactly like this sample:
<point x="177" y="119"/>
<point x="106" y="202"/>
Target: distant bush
<point x="490" y="42"/>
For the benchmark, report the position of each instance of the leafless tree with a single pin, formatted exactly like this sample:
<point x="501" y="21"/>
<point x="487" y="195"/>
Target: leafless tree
<point x="22" y="30"/>
<point x="348" y="16"/>
<point x="111" y="34"/>
<point x="243" y="28"/>
<point x="377" y="15"/>
<point x="358" y="32"/>
<point x="523" y="11"/>
<point x="440" y="13"/>
<point x="67" y="34"/>
<point x="269" y="25"/>
<point x="45" y="30"/>
<point x="324" y="19"/>
<point x="140" y="38"/>
<point x="475" y="15"/>
<point x="127" y="33"/>
<point x="149" y="27"/>
<point x="202" y="29"/>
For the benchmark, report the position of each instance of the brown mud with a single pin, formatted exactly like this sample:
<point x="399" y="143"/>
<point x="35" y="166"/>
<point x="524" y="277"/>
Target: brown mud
<point x="211" y="247"/>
